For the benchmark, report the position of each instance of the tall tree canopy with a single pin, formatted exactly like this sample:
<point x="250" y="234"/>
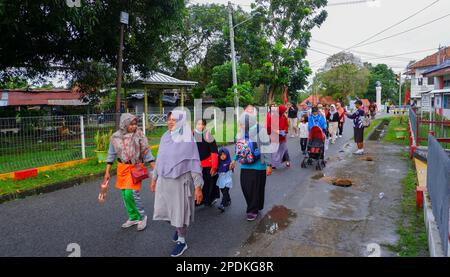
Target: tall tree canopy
<point x="387" y="78"/>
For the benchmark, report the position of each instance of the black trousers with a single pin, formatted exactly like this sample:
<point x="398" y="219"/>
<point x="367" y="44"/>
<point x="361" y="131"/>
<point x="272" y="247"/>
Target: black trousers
<point x="225" y="196"/>
<point x="303" y="144"/>
<point x="341" y="128"/>
<point x="210" y="189"/>
<point x="253" y="183"/>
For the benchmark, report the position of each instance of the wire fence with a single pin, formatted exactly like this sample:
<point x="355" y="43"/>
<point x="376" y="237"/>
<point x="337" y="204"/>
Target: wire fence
<point x="438" y="186"/>
<point x="29" y="142"/>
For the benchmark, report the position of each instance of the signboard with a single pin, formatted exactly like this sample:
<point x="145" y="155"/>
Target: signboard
<point x="425" y="101"/>
<point x="4" y="99"/>
<point x="124" y="18"/>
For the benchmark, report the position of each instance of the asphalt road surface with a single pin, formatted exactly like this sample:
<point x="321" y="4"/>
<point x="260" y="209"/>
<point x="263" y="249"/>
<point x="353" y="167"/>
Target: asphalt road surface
<point x="45" y="225"/>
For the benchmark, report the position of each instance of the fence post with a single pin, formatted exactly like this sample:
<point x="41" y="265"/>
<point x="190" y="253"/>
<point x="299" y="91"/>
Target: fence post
<point x="83" y="143"/>
<point x="143" y="124"/>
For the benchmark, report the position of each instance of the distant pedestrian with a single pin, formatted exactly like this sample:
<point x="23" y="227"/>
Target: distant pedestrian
<point x="177" y="179"/>
<point x="225" y="180"/>
<point x="292" y="115"/>
<point x="358" y="127"/>
<point x="303" y="133"/>
<point x="207" y="149"/>
<point x="341" y="112"/>
<point x="333" y="122"/>
<point x="130" y="146"/>
<point x="279" y="136"/>
<point x="252" y="152"/>
<point x="373" y="109"/>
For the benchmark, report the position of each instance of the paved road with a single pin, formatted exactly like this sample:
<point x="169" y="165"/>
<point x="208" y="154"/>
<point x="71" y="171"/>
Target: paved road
<point x="44" y="225"/>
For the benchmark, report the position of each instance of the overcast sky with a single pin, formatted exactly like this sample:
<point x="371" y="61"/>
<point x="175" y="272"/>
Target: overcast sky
<point x="350" y="24"/>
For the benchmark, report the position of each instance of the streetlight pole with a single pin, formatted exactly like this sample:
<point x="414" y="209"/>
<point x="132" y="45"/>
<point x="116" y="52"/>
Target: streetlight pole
<point x="123" y="21"/>
<point x="233" y="60"/>
<point x="400" y="88"/>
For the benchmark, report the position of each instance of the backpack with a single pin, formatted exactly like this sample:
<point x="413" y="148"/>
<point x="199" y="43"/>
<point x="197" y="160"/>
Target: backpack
<point x="366" y="121"/>
<point x="247" y="151"/>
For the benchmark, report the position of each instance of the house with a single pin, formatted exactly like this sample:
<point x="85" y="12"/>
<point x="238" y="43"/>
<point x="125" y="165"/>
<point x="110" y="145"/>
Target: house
<point x="439" y="97"/>
<point x="316" y="99"/>
<point x="421" y="84"/>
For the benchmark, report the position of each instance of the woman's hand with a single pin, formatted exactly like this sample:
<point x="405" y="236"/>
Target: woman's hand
<point x="269" y="170"/>
<point x="153" y="185"/>
<point x="213" y="171"/>
<point x="232" y="165"/>
<point x="198" y="195"/>
<point x="106" y="178"/>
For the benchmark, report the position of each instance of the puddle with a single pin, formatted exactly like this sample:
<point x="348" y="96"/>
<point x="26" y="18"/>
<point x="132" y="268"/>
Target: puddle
<point x="318" y="176"/>
<point x="367" y="158"/>
<point x="278" y="218"/>
<point x="378" y="133"/>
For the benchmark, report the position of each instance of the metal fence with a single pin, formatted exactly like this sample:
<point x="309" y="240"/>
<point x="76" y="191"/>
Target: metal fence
<point x="29" y="142"/>
<point x="424" y="123"/>
<point x="438" y="185"/>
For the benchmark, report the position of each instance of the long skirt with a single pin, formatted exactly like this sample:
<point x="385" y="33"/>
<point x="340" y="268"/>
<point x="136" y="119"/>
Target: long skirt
<point x="281" y="156"/>
<point x="210" y="189"/>
<point x="174" y="200"/>
<point x="253" y="183"/>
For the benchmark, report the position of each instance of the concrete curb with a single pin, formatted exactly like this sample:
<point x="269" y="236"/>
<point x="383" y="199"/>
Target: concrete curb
<point x="51" y="188"/>
<point x="434" y="239"/>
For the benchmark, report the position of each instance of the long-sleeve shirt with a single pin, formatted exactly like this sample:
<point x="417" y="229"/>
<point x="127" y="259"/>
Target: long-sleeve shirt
<point x="318" y="120"/>
<point x="356" y="116"/>
<point x="112" y="155"/>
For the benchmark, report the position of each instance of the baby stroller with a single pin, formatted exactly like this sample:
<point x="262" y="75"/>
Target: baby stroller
<point x="316" y="148"/>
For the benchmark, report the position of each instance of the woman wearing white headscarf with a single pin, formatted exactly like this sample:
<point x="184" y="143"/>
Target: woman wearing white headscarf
<point x="177" y="178"/>
<point x="333" y="122"/>
<point x="130" y="146"/>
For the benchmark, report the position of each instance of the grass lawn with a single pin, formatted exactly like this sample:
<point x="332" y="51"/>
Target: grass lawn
<point x="411" y="227"/>
<point x="395" y="123"/>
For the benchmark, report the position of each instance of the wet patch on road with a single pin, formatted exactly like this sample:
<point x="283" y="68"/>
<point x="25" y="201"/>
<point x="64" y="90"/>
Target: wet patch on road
<point x="277" y="219"/>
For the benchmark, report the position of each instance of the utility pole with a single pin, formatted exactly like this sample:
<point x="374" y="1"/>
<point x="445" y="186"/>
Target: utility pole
<point x="233" y="60"/>
<point x="123" y="21"/>
<point x="400" y="88"/>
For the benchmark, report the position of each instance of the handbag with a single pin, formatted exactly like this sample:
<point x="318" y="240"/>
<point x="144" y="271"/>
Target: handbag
<point x="139" y="172"/>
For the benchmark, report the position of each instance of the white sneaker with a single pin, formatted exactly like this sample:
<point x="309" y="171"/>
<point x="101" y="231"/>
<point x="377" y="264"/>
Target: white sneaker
<point x="130" y="223"/>
<point x="359" y="152"/>
<point x="142" y="224"/>
<point x="340" y="136"/>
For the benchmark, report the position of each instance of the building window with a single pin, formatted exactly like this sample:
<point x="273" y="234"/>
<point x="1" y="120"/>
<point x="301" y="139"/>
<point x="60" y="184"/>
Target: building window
<point x="420" y="81"/>
<point x="430" y="81"/>
<point x="446" y="83"/>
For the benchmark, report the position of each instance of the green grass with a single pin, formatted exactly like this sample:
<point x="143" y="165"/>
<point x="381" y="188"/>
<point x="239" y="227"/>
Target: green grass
<point x="394" y="123"/>
<point x="51" y="177"/>
<point x="411" y="227"/>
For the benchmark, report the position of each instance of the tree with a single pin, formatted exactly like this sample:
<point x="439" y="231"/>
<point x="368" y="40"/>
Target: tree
<point x="340" y="59"/>
<point x="39" y="37"/>
<point x="343" y="81"/>
<point x="386" y="76"/>
<point x="286" y="29"/>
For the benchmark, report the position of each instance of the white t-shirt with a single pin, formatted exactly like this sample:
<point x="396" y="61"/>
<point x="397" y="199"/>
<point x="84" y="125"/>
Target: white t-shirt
<point x="303" y="128"/>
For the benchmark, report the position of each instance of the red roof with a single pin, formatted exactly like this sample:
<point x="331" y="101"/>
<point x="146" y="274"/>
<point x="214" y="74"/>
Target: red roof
<point x="53" y="97"/>
<point x="431" y="60"/>
<point x="324" y="100"/>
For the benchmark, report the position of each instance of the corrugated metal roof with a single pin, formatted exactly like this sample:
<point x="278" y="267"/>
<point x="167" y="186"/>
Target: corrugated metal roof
<point x="158" y="78"/>
<point x="443" y="65"/>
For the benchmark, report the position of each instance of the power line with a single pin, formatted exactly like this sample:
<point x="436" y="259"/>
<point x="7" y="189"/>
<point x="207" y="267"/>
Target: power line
<point x="350" y="3"/>
<point x="406" y="31"/>
<point x="396" y="24"/>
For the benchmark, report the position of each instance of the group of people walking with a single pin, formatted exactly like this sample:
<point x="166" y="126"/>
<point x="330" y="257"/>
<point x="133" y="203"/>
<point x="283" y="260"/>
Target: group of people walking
<point x="190" y="169"/>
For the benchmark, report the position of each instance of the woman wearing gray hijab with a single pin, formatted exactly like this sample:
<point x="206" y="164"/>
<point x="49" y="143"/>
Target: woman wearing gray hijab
<point x="130" y="146"/>
<point x="177" y="178"/>
<point x="253" y="174"/>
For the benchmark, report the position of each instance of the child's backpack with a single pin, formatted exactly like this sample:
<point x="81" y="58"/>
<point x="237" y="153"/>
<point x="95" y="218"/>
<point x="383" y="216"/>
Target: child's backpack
<point x="247" y="151"/>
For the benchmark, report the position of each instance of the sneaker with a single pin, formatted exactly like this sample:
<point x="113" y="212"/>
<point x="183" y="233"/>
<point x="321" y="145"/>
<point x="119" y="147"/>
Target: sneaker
<point x="359" y="152"/>
<point x="214" y="202"/>
<point x="251" y="216"/>
<point x="142" y="224"/>
<point x="179" y="249"/>
<point x="130" y="223"/>
<point x="340" y="136"/>
<point x="175" y="237"/>
<point x="288" y="164"/>
<point x="221" y="208"/>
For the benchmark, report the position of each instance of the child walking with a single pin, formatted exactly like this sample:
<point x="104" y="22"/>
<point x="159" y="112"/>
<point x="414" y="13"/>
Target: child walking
<point x="304" y="133"/>
<point x="225" y="181"/>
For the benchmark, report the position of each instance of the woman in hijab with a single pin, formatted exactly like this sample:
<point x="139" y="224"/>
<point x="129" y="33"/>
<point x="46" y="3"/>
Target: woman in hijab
<point x="207" y="149"/>
<point x="279" y="134"/>
<point x="253" y="175"/>
<point x="130" y="146"/>
<point x="177" y="179"/>
<point x="333" y="122"/>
